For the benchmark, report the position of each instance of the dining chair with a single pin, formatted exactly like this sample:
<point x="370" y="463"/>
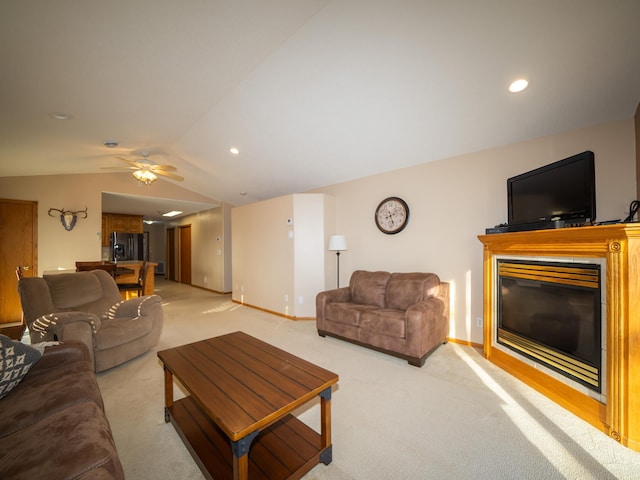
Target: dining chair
<point x="140" y="284"/>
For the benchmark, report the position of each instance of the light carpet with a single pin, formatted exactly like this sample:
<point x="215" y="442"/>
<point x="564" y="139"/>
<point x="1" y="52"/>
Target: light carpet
<point x="458" y="417"/>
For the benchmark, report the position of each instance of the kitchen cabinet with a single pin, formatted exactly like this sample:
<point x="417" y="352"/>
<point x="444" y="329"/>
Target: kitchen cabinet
<point x="119" y="222"/>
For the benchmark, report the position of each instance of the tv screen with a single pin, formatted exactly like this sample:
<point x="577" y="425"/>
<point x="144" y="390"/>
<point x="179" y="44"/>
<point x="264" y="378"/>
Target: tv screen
<point x="563" y="190"/>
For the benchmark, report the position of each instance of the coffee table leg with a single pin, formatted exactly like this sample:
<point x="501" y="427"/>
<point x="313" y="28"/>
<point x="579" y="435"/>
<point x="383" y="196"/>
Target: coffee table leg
<point x="325" y="420"/>
<point x="240" y="449"/>
<point x="168" y="393"/>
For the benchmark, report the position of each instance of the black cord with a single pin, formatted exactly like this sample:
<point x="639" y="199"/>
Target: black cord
<point x="633" y="208"/>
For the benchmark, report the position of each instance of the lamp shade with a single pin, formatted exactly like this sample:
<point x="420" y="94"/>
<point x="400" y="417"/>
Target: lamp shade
<point x="337" y="243"/>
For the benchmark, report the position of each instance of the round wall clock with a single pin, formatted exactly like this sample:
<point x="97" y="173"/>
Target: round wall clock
<point x="392" y="215"/>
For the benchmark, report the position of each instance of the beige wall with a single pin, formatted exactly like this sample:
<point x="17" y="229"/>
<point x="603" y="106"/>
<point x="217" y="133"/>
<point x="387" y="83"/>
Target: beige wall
<point x="262" y="255"/>
<point x="452" y="201"/>
<point x="278" y="257"/>
<point x="58" y="248"/>
<point x="309" y="252"/>
<point x="210" y="248"/>
<point x="157" y="243"/>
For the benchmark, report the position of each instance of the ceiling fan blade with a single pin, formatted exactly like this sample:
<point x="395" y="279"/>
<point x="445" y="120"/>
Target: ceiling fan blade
<point x="163" y="168"/>
<point x="131" y="162"/>
<point x="122" y="168"/>
<point x="170" y="175"/>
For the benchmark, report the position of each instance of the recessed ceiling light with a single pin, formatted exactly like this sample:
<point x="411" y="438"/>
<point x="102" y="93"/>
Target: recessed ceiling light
<point x="518" y="85"/>
<point x="234" y="150"/>
<point x="172" y="213"/>
<point x="60" y="116"/>
<point x="244" y="194"/>
<point x="110" y="143"/>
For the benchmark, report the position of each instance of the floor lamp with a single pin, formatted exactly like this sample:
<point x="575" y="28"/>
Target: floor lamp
<point x="337" y="243"/>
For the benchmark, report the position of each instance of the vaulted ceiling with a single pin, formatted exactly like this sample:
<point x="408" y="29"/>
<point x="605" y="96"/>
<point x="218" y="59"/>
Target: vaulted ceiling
<point x="311" y="92"/>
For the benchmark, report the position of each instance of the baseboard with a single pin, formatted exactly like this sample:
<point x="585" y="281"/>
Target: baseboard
<point x="211" y="290"/>
<point x="288" y="317"/>
<point x="465" y="342"/>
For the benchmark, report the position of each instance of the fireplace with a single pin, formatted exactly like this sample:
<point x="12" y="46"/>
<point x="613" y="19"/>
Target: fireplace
<point x="550" y="312"/>
<point x="616" y="250"/>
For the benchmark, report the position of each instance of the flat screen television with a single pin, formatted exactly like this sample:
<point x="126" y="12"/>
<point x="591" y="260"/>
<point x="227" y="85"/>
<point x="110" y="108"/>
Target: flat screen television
<point x="564" y="190"/>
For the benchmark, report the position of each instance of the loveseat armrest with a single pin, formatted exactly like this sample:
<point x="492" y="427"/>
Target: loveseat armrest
<point x="134" y="307"/>
<point x="337" y="295"/>
<point x="427" y="326"/>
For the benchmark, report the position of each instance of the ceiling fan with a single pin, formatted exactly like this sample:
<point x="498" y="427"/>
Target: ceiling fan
<point x="147" y="172"/>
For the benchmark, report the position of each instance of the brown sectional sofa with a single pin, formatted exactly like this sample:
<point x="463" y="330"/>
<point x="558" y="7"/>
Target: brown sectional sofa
<point x="53" y="424"/>
<point x="403" y="314"/>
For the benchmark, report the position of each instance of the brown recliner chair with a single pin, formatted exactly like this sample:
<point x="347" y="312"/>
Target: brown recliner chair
<point x="87" y="306"/>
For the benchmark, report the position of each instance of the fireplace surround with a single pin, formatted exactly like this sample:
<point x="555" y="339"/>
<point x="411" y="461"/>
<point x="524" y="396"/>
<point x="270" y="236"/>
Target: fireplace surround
<point x="617" y="249"/>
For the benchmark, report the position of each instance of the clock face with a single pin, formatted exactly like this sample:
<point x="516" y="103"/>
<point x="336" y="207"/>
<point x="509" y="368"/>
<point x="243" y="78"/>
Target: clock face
<point x="392" y="215"/>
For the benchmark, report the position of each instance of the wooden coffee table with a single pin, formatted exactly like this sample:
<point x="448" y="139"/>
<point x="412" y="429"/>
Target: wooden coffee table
<point x="236" y="420"/>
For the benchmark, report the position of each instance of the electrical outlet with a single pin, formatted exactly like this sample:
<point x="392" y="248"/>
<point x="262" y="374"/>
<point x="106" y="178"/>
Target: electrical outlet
<point x="479" y="322"/>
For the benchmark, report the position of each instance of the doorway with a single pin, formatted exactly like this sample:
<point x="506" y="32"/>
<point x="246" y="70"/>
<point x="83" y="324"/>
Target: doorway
<point x="184" y="257"/>
<point x="171" y="255"/>
<point x="18" y="247"/>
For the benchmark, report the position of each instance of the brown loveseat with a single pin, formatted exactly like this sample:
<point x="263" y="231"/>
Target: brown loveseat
<point x="87" y="306"/>
<point x="52" y="423"/>
<point x="403" y="314"/>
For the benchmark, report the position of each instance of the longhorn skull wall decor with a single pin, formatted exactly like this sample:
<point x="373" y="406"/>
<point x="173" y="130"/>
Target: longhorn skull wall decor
<point x="68" y="218"/>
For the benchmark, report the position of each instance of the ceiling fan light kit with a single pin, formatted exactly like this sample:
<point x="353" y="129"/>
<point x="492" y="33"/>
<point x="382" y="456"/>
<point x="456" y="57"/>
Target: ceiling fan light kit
<point x="146" y="172"/>
<point x="145" y="176"/>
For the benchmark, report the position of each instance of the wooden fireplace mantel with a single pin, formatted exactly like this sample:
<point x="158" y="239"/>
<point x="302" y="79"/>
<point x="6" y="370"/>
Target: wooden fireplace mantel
<point x="619" y="245"/>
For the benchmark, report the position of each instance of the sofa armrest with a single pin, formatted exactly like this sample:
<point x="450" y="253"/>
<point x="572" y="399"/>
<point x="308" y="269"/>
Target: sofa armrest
<point x="337" y="295"/>
<point x="64" y="353"/>
<point x="427" y="325"/>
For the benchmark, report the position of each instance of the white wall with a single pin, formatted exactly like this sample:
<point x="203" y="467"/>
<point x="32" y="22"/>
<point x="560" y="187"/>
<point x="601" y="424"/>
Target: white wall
<point x="452" y="202"/>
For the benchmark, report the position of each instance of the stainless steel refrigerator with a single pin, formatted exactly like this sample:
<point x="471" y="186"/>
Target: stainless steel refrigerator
<point x="129" y="246"/>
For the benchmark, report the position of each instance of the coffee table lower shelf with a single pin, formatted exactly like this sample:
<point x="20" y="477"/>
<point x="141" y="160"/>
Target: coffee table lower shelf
<point x="287" y="449"/>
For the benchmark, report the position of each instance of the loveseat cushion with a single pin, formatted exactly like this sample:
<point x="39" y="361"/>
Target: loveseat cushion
<point x="384" y="321"/>
<point x="406" y="289"/>
<point x="347" y="313"/>
<point x="368" y="288"/>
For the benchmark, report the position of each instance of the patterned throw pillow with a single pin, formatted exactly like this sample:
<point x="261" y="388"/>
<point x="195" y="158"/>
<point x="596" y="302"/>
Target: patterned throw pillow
<point x="15" y="361"/>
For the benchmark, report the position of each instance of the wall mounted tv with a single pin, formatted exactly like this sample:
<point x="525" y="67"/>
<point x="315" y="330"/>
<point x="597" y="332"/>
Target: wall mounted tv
<point x="560" y="194"/>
